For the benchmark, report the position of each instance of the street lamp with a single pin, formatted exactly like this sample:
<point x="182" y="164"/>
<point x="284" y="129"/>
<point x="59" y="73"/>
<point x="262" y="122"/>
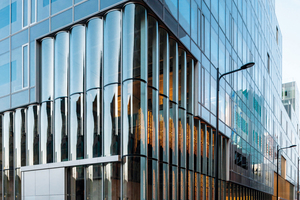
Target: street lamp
<point x="277" y="164"/>
<point x="246" y="66"/>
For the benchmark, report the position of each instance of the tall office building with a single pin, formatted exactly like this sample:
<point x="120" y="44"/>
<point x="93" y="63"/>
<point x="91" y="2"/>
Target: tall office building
<point x="111" y="99"/>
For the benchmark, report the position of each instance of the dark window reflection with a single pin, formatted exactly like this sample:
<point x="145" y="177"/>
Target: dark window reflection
<point x="152" y="179"/>
<point x="181" y="137"/>
<point x="36" y="137"/>
<point x="163" y="131"/>
<point x="189" y="141"/>
<point x="23" y="137"/>
<point x="173" y="147"/>
<point x="18" y="184"/>
<point x="152" y="52"/>
<point x="75" y="183"/>
<point x="94" y="182"/>
<point x="163" y="181"/>
<point x="173" y="181"/>
<point x="152" y="126"/>
<point x="112" y="178"/>
<point x="49" y="132"/>
<point x="8" y="184"/>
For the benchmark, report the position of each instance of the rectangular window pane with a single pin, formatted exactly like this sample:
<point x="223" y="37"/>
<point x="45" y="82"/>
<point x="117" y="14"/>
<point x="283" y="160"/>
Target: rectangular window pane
<point x="25" y="13"/>
<point x="33" y="11"/>
<point x="25" y="66"/>
<point x="4" y="74"/>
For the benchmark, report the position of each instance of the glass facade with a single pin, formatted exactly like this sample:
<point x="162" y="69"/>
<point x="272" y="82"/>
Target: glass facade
<point x="89" y="79"/>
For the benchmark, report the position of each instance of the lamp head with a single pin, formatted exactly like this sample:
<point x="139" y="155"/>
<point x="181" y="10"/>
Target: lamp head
<point x="248" y="65"/>
<point x="292" y="146"/>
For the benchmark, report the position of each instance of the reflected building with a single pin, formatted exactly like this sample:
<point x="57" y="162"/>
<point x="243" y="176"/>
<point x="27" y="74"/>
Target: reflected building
<point x="111" y="99"/>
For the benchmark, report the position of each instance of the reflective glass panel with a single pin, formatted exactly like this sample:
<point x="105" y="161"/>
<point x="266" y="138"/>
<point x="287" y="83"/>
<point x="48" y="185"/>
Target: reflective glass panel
<point x="197" y="184"/>
<point x="61" y="64"/>
<point x="173" y="134"/>
<point x="163" y="181"/>
<point x="94" y="53"/>
<point x="59" y="5"/>
<point x="182" y="78"/>
<point x="172" y="5"/>
<point x="94" y="182"/>
<point x="134" y="178"/>
<point x="18" y="184"/>
<point x="42" y="9"/>
<point x="190" y="185"/>
<point x="173" y="71"/>
<point x="46" y="137"/>
<point x="4" y="74"/>
<point x="112" y="119"/>
<point x="112" y="47"/>
<point x="20" y="138"/>
<point x="32" y="136"/>
<point x="112" y="179"/>
<point x="152" y="180"/>
<point x="75" y="179"/>
<point x="197" y="145"/>
<point x="61" y="130"/>
<point x="25" y="57"/>
<point x="16" y="15"/>
<point x="135" y="115"/>
<point x="77" y="56"/>
<point x="163" y="61"/>
<point x="189" y="141"/>
<point x="94" y="125"/>
<point x="16" y="69"/>
<point x="182" y="137"/>
<point x="173" y="180"/>
<point x="134" y="42"/>
<point x="153" y="52"/>
<point x="25" y="12"/>
<point x="190" y="85"/>
<point x="32" y="11"/>
<point x="8" y="142"/>
<point x="76" y="140"/>
<point x="181" y="184"/>
<point x="4" y="16"/>
<point x="47" y="69"/>
<point x="163" y="129"/>
<point x="185" y="14"/>
<point x="152" y="126"/>
<point x="8" y="184"/>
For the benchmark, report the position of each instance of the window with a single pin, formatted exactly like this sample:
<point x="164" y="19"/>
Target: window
<point x="25" y="12"/>
<point x="33" y="11"/>
<point x="25" y="65"/>
<point x="276" y="34"/>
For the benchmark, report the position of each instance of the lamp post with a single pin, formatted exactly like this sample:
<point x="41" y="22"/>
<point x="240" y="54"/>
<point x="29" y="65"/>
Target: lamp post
<point x="246" y="66"/>
<point x="277" y="163"/>
<point x="298" y="179"/>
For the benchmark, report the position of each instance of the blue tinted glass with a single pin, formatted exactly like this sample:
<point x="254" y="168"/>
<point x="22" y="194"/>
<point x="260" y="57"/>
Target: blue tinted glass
<point x="42" y="9"/>
<point x="20" y="98"/>
<point x="32" y="8"/>
<point x="16" y="69"/>
<point x="4" y="103"/>
<point x="185" y="14"/>
<point x="39" y="30"/>
<point x="4" y="17"/>
<point x="16" y="16"/>
<point x="19" y="39"/>
<point x="4" y="46"/>
<point x="25" y="13"/>
<point x="4" y="74"/>
<point x="194" y="18"/>
<point x="59" y="5"/>
<point x="32" y="63"/>
<point x="61" y="20"/>
<point x="85" y="9"/>
<point x="172" y="5"/>
<point x="32" y="95"/>
<point x="25" y="66"/>
<point x="77" y="1"/>
<point x="107" y="3"/>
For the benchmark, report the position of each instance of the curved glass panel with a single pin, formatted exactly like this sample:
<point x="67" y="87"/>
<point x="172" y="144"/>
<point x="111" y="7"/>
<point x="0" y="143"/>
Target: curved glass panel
<point x="76" y="146"/>
<point x="94" y="53"/>
<point x="134" y="42"/>
<point x="47" y="69"/>
<point x="198" y="189"/>
<point x="181" y="78"/>
<point x="189" y="141"/>
<point x="135" y="117"/>
<point x="190" y="185"/>
<point x="94" y="123"/>
<point x="32" y="135"/>
<point x="61" y="64"/>
<point x="75" y="180"/>
<point x="77" y="56"/>
<point x="57" y="6"/>
<point x="112" y="119"/>
<point x="182" y="137"/>
<point x="112" y="47"/>
<point x="163" y="181"/>
<point x="173" y="79"/>
<point x="190" y="85"/>
<point x="18" y="191"/>
<point x="46" y="137"/>
<point x="152" y="179"/>
<point x="8" y="136"/>
<point x="163" y="62"/>
<point x="153" y="56"/>
<point x="152" y="126"/>
<point x="61" y="130"/>
<point x="181" y="184"/>
<point x="163" y="129"/>
<point x="173" y="182"/>
<point x="94" y="182"/>
<point x="197" y="145"/>
<point x="20" y="138"/>
<point x="1" y="133"/>
<point x="112" y="181"/>
<point x="134" y="178"/>
<point x="173" y="134"/>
